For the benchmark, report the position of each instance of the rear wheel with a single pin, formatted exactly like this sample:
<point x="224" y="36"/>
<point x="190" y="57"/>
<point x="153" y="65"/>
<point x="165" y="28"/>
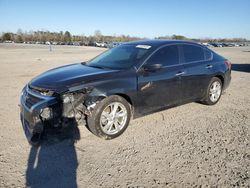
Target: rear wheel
<point x="214" y="91"/>
<point x="110" y="117"/>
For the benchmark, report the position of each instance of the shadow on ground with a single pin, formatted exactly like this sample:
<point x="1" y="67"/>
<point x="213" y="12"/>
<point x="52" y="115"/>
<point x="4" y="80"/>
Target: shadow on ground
<point x="54" y="162"/>
<point x="241" y="67"/>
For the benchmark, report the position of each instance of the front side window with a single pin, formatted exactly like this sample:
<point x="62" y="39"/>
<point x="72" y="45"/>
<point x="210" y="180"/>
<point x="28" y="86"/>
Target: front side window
<point x="121" y="57"/>
<point x="166" y="56"/>
<point x="193" y="53"/>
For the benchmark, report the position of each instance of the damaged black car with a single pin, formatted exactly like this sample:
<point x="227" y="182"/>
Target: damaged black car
<point x="126" y="82"/>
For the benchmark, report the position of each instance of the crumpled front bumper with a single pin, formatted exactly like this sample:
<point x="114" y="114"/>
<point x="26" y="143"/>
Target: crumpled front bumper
<point x="31" y="105"/>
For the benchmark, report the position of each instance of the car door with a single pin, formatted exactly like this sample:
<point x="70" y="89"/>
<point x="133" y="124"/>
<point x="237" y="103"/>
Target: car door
<point x="159" y="80"/>
<point x="197" y="68"/>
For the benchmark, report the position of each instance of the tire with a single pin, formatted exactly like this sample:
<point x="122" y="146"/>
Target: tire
<point x="209" y="99"/>
<point x="102" y="116"/>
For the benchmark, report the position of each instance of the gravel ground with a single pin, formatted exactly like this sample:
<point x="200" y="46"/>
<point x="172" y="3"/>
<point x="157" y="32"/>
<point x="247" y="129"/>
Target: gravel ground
<point x="187" y="146"/>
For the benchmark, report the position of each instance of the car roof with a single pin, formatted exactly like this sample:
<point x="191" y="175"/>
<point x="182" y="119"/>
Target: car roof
<point x="159" y="42"/>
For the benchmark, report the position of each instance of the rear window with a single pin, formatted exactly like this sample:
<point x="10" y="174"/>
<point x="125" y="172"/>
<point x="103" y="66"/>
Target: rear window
<point x="193" y="53"/>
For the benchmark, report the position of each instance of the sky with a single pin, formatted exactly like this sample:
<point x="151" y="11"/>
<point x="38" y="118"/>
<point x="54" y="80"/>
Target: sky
<point x="142" y="18"/>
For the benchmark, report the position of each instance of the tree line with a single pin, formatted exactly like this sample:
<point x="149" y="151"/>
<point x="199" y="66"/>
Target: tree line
<point x="181" y="37"/>
<point x="44" y="36"/>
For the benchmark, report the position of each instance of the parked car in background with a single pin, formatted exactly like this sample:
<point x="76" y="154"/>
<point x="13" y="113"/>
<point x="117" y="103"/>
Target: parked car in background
<point x="206" y="44"/>
<point x="216" y="44"/>
<point x="9" y="41"/>
<point x="76" y="43"/>
<point x="113" y="44"/>
<point x="101" y="44"/>
<point x="129" y="81"/>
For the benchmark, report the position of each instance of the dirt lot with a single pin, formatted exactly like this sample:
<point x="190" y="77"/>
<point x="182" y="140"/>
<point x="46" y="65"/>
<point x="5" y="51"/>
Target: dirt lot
<point x="188" y="145"/>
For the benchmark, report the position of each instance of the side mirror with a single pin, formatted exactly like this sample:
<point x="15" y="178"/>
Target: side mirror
<point x="152" y="67"/>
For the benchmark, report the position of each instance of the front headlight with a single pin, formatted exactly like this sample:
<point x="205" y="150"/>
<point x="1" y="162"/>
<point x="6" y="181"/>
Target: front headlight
<point x="42" y="91"/>
<point x="47" y="93"/>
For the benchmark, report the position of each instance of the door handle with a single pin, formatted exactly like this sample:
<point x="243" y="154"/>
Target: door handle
<point x="209" y="66"/>
<point x="179" y="73"/>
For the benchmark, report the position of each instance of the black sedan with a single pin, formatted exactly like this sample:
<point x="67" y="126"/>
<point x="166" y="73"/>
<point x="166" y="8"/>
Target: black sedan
<point x="129" y="81"/>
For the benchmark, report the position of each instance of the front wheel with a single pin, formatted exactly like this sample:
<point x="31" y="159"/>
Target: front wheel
<point x="110" y="117"/>
<point x="214" y="91"/>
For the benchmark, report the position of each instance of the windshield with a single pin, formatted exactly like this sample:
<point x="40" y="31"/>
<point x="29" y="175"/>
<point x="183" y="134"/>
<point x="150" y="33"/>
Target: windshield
<point x="121" y="57"/>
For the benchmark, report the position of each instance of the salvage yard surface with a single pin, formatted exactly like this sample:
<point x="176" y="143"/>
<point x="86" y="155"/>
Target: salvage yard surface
<point x="189" y="145"/>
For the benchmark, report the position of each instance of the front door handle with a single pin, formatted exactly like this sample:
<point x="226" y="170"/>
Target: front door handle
<point x="179" y="73"/>
<point x="209" y="66"/>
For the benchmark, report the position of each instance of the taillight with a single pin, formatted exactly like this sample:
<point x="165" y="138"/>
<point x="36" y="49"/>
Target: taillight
<point x="228" y="64"/>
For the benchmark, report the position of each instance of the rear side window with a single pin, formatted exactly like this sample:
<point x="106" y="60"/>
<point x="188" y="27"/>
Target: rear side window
<point x="193" y="53"/>
<point x="166" y="56"/>
<point x="208" y="55"/>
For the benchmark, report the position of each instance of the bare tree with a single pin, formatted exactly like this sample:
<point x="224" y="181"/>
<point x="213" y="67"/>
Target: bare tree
<point x="98" y="35"/>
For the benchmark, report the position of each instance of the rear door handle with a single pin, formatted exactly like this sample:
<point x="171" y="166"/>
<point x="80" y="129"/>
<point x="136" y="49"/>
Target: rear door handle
<point x="209" y="66"/>
<point x="179" y="73"/>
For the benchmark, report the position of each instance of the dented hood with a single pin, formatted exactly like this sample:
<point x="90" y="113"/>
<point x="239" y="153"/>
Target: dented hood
<point x="61" y="78"/>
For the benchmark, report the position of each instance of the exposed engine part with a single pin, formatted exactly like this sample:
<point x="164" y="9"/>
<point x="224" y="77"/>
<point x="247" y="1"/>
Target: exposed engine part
<point x="71" y="103"/>
<point x="72" y="107"/>
<point x="90" y="103"/>
<point x="91" y="107"/>
<point x="46" y="113"/>
<point x="69" y="109"/>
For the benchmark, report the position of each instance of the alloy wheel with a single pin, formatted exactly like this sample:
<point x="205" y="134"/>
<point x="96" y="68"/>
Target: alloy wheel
<point x="215" y="91"/>
<point x="113" y="118"/>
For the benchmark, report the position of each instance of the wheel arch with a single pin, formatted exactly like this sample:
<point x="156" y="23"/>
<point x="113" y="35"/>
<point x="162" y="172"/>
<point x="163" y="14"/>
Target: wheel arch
<point x="221" y="78"/>
<point x="128" y="99"/>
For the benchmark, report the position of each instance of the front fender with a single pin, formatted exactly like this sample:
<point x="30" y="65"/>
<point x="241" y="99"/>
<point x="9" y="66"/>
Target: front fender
<point x="126" y="86"/>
